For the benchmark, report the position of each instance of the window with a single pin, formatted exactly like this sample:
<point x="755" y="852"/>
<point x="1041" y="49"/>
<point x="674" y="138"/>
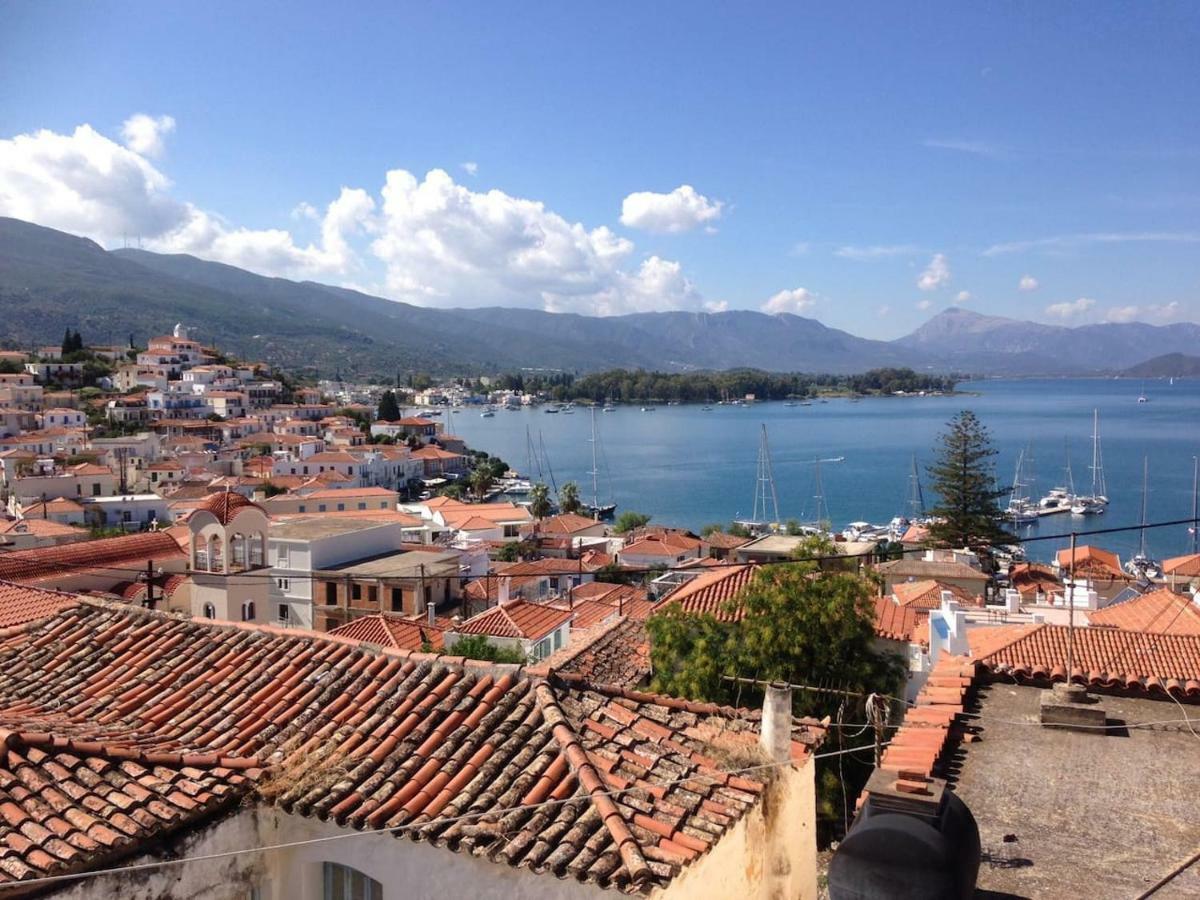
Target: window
<point x="210" y="611"/>
<point x="362" y="505"/>
<point x="302" y="507"/>
<point x="330" y="594"/>
<point x="284" y="613"/>
<point x="372" y="595"/>
<point x="285" y="584"/>
<point x="95" y="489"/>
<point x="356" y="592"/>
<point x="397" y="600"/>
<point x="558" y="639"/>
<point x="248" y="611"/>
<point x="511" y="531"/>
<point x="345" y="883"/>
<point x="341" y="507"/>
<point x="541" y="650"/>
<point x="320" y="507"/>
<point x="281" y="556"/>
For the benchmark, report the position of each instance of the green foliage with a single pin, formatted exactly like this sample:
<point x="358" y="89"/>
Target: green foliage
<point x="481" y="481"/>
<point x="270" y="489"/>
<point x="539" y="501"/>
<point x="389" y="408"/>
<point x="509" y="552"/>
<point x="568" y="498"/>
<point x="792" y="527"/>
<point x="71" y="343"/>
<point x="967" y="513"/>
<point x="738" y="530"/>
<point x="477" y="646"/>
<point x="10" y="367"/>
<point x="629" y="521"/>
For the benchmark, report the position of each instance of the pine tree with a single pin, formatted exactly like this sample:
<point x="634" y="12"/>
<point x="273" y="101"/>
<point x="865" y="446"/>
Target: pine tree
<point x="967" y="513"/>
<point x="389" y="409"/>
<point x="66" y="343"/>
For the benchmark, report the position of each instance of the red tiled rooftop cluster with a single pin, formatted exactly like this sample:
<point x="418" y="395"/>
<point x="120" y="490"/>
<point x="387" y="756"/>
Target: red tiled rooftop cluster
<point x="44" y="562"/>
<point x="712" y="592"/>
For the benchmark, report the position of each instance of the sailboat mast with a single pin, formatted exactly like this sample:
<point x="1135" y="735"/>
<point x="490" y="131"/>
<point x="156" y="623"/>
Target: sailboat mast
<point x="595" y="489"/>
<point x="1145" y="489"/>
<point x="916" y="499"/>
<point x="1095" y="452"/>
<point x="1195" y="507"/>
<point x="764" y="488"/>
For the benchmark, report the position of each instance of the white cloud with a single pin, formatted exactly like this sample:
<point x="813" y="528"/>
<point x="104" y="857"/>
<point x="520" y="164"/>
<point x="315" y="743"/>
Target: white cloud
<point x="924" y="304"/>
<point x="681" y="210"/>
<point x="304" y="210"/>
<point x="884" y="310"/>
<point x="145" y="134"/>
<point x="875" y="251"/>
<point x="427" y="240"/>
<point x="1070" y="310"/>
<point x="962" y="297"/>
<point x="801" y="248"/>
<point x="795" y="301"/>
<point x="1028" y="284"/>
<point x="973" y="148"/>
<point x="936" y="274"/>
<point x="1155" y="313"/>
<point x="716" y="306"/>
<point x="1075" y="241"/>
<point x="471" y="168"/>
<point x="446" y="244"/>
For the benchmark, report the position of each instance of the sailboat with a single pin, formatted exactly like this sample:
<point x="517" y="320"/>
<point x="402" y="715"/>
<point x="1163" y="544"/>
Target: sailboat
<point x="1142" y="566"/>
<point x="915" y="506"/>
<point x="596" y="508"/>
<point x="1021" y="510"/>
<point x="1060" y="499"/>
<point x="765" y="517"/>
<point x="1142" y="398"/>
<point x="1095" y="502"/>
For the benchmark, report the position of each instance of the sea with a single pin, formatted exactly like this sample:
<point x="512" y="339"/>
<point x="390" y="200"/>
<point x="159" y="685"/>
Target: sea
<point x="688" y="467"/>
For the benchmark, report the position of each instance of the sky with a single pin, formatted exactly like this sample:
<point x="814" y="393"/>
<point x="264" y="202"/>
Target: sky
<point x="867" y="165"/>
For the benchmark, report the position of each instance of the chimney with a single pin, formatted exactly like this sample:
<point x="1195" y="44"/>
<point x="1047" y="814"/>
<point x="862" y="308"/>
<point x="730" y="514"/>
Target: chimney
<point x="431" y="610"/>
<point x="503" y="595"/>
<point x="776" y="735"/>
<point x="1012" y="601"/>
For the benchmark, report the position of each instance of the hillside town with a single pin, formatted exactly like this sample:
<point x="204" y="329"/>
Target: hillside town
<point x="238" y="612"/>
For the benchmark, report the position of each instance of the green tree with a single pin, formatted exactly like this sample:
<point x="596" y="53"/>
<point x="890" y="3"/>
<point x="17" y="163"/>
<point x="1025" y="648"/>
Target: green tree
<point x="539" y="501"/>
<point x="568" y="498"/>
<point x="510" y="552"/>
<point x="629" y="520"/>
<point x="482" y="480"/>
<point x="389" y="408"/>
<point x="967" y="513"/>
<point x="477" y="646"/>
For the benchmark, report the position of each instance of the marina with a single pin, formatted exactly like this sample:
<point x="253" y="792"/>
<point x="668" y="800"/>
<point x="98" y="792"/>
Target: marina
<point x="685" y="466"/>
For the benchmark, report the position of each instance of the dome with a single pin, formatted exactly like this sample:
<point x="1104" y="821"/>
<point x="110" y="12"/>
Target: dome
<point x="224" y="505"/>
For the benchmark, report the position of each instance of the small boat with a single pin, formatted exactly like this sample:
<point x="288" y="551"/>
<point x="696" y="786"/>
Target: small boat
<point x="790" y="403"/>
<point x="487" y="414"/>
<point x="568" y="411"/>
<point x="610" y="409"/>
<point x="550" y="409"/>
<point x="706" y="409"/>
<point x="806" y="403"/>
<point x="1142" y="566"/>
<point x="603" y="511"/>
<point x="649" y="408"/>
<point x="1142" y="398"/>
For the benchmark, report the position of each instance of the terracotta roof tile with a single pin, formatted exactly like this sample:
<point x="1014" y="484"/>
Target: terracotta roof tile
<point x="713" y="591"/>
<point x="20" y="604"/>
<point x="393" y="631"/>
<point x="518" y="619"/>
<point x="927" y="594"/>
<point x="894" y="622"/>
<point x="1183" y="566"/>
<point x="1159" y="612"/>
<point x="45" y="562"/>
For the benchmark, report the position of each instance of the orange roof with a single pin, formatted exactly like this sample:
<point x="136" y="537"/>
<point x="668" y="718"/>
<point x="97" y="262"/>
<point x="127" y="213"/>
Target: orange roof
<point x="412" y="422"/>
<point x="711" y="592"/>
<point x="58" y="505"/>
<point x="40" y="527"/>
<point x="915" y="534"/>
<point x="927" y="594"/>
<point x="518" y="619"/>
<point x="894" y="622"/>
<point x="392" y="631"/>
<point x="1157" y="612"/>
<point x="666" y="544"/>
<point x="1104" y="657"/>
<point x="723" y="541"/>
<point x="1183" y="566"/>
<point x="566" y="523"/>
<point x="344" y="493"/>
<point x="430" y="452"/>
<point x="1090" y="559"/>
<point x="1029" y="578"/>
<point x="20" y="604"/>
<point x="124" y="551"/>
<point x="591" y="612"/>
<point x="225" y="505"/>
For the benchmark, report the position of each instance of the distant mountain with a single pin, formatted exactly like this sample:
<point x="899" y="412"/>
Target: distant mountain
<point x="51" y="281"/>
<point x="969" y="341"/>
<point x="1169" y="365"/>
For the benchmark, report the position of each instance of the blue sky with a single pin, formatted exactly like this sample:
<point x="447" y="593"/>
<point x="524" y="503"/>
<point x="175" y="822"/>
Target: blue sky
<point x="865" y="166"/>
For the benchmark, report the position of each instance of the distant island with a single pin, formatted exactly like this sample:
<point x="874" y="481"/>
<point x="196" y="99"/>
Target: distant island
<point x="635" y="386"/>
<point x="1169" y="365"/>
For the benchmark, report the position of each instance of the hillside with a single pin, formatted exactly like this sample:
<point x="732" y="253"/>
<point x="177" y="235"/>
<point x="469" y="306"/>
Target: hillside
<point x="50" y="281"/>
<point x="1169" y="365"/>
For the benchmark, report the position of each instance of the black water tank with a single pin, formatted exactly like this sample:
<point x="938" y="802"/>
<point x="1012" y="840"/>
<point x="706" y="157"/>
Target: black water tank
<point x="892" y="853"/>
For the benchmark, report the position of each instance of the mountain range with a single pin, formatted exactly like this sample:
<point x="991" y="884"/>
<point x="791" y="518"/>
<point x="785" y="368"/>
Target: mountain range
<point x="51" y="281"/>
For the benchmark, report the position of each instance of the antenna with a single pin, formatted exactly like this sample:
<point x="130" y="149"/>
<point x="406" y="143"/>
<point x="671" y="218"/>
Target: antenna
<point x="764" y="485"/>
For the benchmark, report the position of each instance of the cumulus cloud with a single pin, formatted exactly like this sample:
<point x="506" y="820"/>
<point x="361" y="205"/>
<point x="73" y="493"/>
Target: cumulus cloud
<point x="962" y="297"/>
<point x="794" y="301"/>
<point x="716" y="306"/>
<point x="936" y="274"/>
<point x="681" y="210"/>
<point x="884" y="310"/>
<point x="304" y="210"/>
<point x="1155" y="313"/>
<point x="1070" y="309"/>
<point x="924" y="304"/>
<point x="145" y="134"/>
<point x="471" y="168"/>
<point x="1122" y="314"/>
<point x="1027" y="284"/>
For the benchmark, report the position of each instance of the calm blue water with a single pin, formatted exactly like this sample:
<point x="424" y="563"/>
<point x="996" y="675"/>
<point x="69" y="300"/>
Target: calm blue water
<point x="687" y="467"/>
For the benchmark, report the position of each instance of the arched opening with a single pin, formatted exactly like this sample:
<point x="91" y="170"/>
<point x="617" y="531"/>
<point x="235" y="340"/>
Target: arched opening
<point x="210" y="611"/>
<point x="258" y="550"/>
<point x="237" y="552"/>
<point x="216" y="554"/>
<point x="351" y="884"/>
<point x="248" y="611"/>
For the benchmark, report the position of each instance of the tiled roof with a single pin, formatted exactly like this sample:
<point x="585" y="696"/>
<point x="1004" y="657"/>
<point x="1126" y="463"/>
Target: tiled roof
<point x="723" y="541"/>
<point x="40" y="527"/>
<point x="518" y="619"/>
<point x="194" y="714"/>
<point x="392" y="631"/>
<point x="20" y="604"/>
<point x="667" y="544"/>
<point x="1158" y="612"/>
<point x="430" y="452"/>
<point x="915" y="534"/>
<point x="1090" y="559"/>
<point x="927" y="594"/>
<point x="130" y="549"/>
<point x="1029" y="578"/>
<point x="894" y="622"/>
<point x="625" y="599"/>
<point x="225" y="505"/>
<point x="928" y="568"/>
<point x="1104" y="658"/>
<point x="566" y="523"/>
<point x="615" y="652"/>
<point x="57" y="505"/>
<point x="591" y="612"/>
<point x="1183" y="566"/>
<point x="711" y="592"/>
